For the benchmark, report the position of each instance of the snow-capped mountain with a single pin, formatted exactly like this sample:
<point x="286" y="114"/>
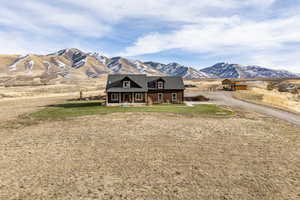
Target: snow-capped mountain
<point x="226" y="70"/>
<point x="175" y="69"/>
<point x="74" y="64"/>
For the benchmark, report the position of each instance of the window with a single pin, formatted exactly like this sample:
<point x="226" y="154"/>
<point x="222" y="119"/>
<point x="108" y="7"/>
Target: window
<point x="160" y="85"/>
<point x="174" y="96"/>
<point x="139" y="96"/>
<point x="126" y="84"/>
<point x="114" y="96"/>
<point x="160" y="96"/>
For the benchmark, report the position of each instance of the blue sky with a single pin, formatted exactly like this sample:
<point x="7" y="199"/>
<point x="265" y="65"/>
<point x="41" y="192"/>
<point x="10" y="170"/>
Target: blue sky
<point x="196" y="33"/>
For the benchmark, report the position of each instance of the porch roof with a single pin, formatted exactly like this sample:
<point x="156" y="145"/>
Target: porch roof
<point x="126" y="90"/>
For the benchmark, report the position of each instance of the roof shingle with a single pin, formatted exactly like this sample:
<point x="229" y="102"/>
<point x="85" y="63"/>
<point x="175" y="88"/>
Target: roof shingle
<point x="171" y="82"/>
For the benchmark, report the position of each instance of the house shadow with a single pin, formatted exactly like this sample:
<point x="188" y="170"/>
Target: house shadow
<point x="77" y="105"/>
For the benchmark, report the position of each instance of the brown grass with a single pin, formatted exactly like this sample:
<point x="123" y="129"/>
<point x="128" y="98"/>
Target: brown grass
<point x="204" y="85"/>
<point x="282" y="100"/>
<point x="149" y="156"/>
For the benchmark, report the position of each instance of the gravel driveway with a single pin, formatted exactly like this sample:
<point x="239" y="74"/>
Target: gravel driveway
<point x="226" y="99"/>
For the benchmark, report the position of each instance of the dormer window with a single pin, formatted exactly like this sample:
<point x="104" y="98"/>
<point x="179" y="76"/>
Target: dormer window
<point x="126" y="84"/>
<point x="160" y="85"/>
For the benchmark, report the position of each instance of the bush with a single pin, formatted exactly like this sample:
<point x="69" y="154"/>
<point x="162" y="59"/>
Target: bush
<point x="196" y="98"/>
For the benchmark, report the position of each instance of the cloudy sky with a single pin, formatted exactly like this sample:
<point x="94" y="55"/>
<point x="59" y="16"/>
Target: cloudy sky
<point x="196" y="33"/>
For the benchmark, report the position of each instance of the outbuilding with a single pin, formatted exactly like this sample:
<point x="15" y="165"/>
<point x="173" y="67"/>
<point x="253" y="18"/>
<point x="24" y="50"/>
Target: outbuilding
<point x="233" y="85"/>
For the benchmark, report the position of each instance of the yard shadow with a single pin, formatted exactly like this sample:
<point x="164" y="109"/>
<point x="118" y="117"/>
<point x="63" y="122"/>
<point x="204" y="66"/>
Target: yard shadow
<point x="78" y="105"/>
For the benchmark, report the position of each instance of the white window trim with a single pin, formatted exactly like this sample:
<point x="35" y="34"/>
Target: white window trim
<point x="162" y="96"/>
<point x="174" y="95"/>
<point x="160" y="85"/>
<point x="138" y="96"/>
<point x="126" y="83"/>
<point x="114" y="96"/>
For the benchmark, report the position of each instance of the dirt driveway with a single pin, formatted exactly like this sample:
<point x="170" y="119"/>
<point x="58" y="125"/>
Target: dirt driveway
<point x="226" y="99"/>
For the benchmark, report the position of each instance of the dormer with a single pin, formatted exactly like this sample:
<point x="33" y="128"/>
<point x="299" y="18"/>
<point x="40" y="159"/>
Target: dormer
<point x="160" y="85"/>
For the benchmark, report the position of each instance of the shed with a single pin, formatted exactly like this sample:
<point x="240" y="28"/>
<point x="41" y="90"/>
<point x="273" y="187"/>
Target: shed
<point x="233" y="85"/>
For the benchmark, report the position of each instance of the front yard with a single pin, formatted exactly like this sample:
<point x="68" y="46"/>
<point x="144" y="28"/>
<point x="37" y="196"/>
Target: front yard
<point x="82" y="108"/>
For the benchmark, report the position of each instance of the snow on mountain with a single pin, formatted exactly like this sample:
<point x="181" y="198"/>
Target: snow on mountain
<point x="260" y="72"/>
<point x="102" y="59"/>
<point x="175" y="69"/>
<point x="127" y="66"/>
<point x="29" y="66"/>
<point x="13" y="66"/>
<point x="77" y="57"/>
<point x="226" y="70"/>
<point x="223" y="70"/>
<point x="114" y="64"/>
<point x="47" y="65"/>
<point x="75" y="64"/>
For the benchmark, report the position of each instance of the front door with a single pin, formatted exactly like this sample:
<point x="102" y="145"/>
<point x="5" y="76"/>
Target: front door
<point x="160" y="97"/>
<point x="127" y="97"/>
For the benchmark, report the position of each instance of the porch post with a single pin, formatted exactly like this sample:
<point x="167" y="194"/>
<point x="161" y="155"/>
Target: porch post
<point x="120" y="96"/>
<point x="132" y="97"/>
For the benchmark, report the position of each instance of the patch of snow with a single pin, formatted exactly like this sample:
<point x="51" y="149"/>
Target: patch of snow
<point x="29" y="66"/>
<point x="78" y="60"/>
<point x="175" y="69"/>
<point x="100" y="58"/>
<point x="225" y="70"/>
<point x="60" y="64"/>
<point x="47" y="65"/>
<point x="13" y="67"/>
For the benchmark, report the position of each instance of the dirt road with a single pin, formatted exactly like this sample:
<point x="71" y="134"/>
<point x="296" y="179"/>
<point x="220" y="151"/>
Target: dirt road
<point x="226" y="99"/>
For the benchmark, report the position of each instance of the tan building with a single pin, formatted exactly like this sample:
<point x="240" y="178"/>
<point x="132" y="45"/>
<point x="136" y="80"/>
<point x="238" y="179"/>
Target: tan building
<point x="233" y="85"/>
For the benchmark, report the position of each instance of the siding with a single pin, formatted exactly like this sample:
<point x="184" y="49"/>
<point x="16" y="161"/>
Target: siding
<point x="167" y="96"/>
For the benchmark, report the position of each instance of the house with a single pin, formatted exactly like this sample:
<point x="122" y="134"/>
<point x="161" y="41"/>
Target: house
<point x="142" y="89"/>
<point x="233" y="85"/>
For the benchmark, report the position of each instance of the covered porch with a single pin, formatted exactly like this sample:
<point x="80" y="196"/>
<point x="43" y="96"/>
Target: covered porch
<point x="119" y="98"/>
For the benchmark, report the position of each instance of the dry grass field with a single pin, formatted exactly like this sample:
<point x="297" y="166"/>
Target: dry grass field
<point x="204" y="84"/>
<point x="282" y="100"/>
<point x="88" y="88"/>
<point x="146" y="156"/>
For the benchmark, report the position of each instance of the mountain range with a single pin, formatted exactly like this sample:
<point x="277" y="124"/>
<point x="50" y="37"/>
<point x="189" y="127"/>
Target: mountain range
<point x="73" y="64"/>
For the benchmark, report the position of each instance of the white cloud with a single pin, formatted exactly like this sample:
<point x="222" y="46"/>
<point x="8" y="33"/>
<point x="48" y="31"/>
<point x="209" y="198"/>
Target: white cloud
<point x="226" y="36"/>
<point x="17" y="43"/>
<point x="278" y="60"/>
<point x="170" y="10"/>
<point x="39" y="27"/>
<point x="44" y="19"/>
<point x="221" y="36"/>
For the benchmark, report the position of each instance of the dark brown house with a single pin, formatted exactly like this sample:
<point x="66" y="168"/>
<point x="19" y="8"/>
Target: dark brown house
<point x="142" y="89"/>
